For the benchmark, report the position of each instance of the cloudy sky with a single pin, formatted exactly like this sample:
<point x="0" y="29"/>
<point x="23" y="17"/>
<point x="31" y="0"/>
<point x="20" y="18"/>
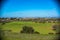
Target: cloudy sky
<point x="29" y="8"/>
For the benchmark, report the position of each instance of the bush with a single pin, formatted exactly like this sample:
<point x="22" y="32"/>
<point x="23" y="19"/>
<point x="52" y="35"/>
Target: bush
<point x="22" y="31"/>
<point x="27" y="29"/>
<point x="3" y="23"/>
<point x="54" y="27"/>
<point x="36" y="32"/>
<point x="42" y="21"/>
<point x="35" y="21"/>
<point x="9" y="30"/>
<point x="58" y="33"/>
<point x="50" y="33"/>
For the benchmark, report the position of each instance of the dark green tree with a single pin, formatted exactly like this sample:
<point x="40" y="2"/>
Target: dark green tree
<point x="27" y="29"/>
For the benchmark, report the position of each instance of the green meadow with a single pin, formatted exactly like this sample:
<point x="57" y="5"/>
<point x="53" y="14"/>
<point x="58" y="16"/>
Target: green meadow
<point x="42" y="28"/>
<point x="16" y="26"/>
<point x="29" y="37"/>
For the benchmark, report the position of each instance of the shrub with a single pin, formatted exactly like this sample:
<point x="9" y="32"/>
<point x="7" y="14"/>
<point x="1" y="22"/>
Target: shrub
<point x="58" y="33"/>
<point x="3" y="23"/>
<point x="27" y="29"/>
<point x="50" y="33"/>
<point x="36" y="32"/>
<point x="54" y="27"/>
<point x="22" y="31"/>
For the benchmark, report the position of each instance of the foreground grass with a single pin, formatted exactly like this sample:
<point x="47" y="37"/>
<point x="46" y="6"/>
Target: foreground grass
<point x="29" y="37"/>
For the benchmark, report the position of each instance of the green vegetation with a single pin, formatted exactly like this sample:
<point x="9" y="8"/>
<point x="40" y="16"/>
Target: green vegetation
<point x="13" y="28"/>
<point x="29" y="37"/>
<point x="16" y="26"/>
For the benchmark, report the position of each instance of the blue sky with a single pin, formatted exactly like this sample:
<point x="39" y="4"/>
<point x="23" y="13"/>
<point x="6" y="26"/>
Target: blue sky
<point x="29" y="8"/>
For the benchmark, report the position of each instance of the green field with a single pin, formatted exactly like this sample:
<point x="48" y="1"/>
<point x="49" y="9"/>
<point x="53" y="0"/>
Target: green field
<point x="16" y="26"/>
<point x="29" y="37"/>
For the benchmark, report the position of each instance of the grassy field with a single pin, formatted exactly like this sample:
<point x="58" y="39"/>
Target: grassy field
<point x="29" y="37"/>
<point x="43" y="28"/>
<point x="16" y="27"/>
